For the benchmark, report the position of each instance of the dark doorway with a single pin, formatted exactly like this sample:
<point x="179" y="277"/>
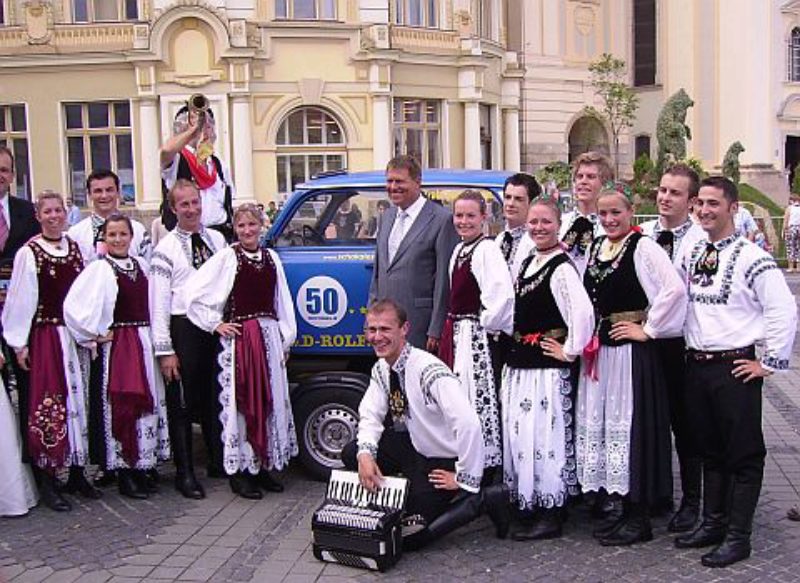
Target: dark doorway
<point x="792" y="156"/>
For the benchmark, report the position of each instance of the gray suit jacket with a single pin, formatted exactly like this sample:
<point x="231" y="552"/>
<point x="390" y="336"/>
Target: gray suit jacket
<point x="418" y="277"/>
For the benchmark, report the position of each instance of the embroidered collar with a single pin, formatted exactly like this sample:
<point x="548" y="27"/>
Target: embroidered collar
<point x="400" y="364"/>
<point x="517" y="232"/>
<point x="726" y="242"/>
<point x="678" y="231"/>
<point x="592" y="217"/>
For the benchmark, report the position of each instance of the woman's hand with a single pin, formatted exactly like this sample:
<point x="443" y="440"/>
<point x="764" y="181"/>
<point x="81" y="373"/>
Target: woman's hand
<point x="105" y="338"/>
<point x="228" y="329"/>
<point x="628" y="331"/>
<point x="22" y="358"/>
<point x="554" y="349"/>
<point x="443" y="480"/>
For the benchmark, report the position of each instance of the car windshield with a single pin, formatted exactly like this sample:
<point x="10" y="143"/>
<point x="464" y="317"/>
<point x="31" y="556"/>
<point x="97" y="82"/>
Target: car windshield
<point x="346" y="217"/>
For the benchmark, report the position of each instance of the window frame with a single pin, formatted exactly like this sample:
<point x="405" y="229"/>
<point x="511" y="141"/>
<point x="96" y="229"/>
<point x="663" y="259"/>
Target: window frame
<point x="289" y="9"/>
<point x="645" y="72"/>
<point x="793" y="56"/>
<point x="429" y="12"/>
<point x="91" y="14"/>
<point x="424" y="126"/>
<point x="8" y="137"/>
<point x="86" y="132"/>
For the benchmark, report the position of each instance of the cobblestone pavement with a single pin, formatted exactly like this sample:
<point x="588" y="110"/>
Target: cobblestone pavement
<point x="225" y="538"/>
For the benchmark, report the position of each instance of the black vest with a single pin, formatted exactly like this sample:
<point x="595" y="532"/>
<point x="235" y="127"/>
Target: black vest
<point x="535" y="311"/>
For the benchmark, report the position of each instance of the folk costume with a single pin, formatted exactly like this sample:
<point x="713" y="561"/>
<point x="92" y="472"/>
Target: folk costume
<point x="677" y="242"/>
<point x="623" y="442"/>
<point x="53" y="393"/>
<point x="481" y="303"/>
<point x="111" y="295"/>
<point x="176" y="258"/>
<point x="577" y="233"/>
<point x="17" y="488"/>
<point x="738" y="298"/>
<point x="249" y="288"/>
<point x="537" y="392"/>
<point x="89" y="237"/>
<point x="414" y="418"/>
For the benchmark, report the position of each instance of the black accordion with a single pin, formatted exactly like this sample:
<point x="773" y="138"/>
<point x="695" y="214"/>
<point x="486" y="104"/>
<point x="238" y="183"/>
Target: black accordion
<point x="359" y="528"/>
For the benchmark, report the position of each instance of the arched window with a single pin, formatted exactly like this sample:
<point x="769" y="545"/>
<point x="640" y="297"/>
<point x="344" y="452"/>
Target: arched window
<point x="794" y="55"/>
<point x="310" y="141"/>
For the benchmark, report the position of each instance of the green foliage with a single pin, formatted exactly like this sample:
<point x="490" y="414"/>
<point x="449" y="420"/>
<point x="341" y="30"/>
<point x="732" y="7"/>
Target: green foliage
<point x="559" y="172"/>
<point x="644" y="179"/>
<point x="749" y="194"/>
<point x="796" y="180"/>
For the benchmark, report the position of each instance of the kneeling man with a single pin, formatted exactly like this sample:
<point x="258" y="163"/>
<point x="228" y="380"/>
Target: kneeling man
<point x="415" y="419"/>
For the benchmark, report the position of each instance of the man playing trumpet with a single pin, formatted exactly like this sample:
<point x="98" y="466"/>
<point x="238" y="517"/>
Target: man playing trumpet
<point x="189" y="154"/>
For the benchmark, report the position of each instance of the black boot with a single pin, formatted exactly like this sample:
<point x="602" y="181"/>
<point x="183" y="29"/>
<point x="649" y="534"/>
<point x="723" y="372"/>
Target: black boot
<point x="105" y="479"/>
<point x="78" y="484"/>
<point x="635" y="528"/>
<point x="464" y="509"/>
<point x="716" y="494"/>
<point x="243" y="484"/>
<point x="736" y="546"/>
<point x="151" y="480"/>
<point x="48" y="491"/>
<point x="614" y="515"/>
<point x="686" y="516"/>
<point x="180" y="434"/>
<point x="129" y="486"/>
<point x="495" y="501"/>
<point x="546" y="526"/>
<point x="267" y="481"/>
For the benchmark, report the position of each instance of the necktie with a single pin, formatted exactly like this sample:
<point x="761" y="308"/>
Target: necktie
<point x="707" y="266"/>
<point x="579" y="236"/>
<point x="507" y="245"/>
<point x="666" y="239"/>
<point x="396" y="236"/>
<point x="3" y="230"/>
<point x="200" y="251"/>
<point x="398" y="407"/>
<point x="99" y="240"/>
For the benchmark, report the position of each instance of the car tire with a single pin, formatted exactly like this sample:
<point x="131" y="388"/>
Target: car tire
<point x="326" y="420"/>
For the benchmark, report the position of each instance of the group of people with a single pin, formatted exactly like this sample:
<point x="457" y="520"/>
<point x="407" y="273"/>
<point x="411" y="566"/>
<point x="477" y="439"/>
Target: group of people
<point x="556" y="359"/>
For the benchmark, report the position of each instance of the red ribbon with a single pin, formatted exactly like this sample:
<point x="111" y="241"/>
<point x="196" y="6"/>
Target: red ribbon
<point x="446" y="346"/>
<point x="202" y="177"/>
<point x="532" y="339"/>
<point x="253" y="388"/>
<point x="590" y="357"/>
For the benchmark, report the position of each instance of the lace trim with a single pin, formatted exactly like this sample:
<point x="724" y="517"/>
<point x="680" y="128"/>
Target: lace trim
<point x="369" y="448"/>
<point x="468" y="480"/>
<point x="723" y="296"/>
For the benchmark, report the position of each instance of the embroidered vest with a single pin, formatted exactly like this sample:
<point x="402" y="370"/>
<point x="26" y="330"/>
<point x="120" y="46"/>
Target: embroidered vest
<point x="55" y="276"/>
<point x="132" y="307"/>
<point x="253" y="293"/>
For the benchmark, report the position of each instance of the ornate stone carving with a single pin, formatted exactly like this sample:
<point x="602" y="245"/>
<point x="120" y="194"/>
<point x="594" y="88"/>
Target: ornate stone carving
<point x="38" y="17"/>
<point x="311" y="90"/>
<point x="584" y="20"/>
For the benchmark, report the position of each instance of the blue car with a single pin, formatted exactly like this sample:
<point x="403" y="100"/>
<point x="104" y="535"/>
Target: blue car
<point x="325" y="237"/>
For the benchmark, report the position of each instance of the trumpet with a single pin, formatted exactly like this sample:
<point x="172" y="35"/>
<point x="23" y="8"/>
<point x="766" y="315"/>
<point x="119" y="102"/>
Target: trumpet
<point x="199" y="104"/>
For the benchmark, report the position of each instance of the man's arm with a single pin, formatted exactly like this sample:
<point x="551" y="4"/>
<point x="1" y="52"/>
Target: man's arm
<point x="371" y="413"/>
<point x="446" y="241"/>
<point x="178" y="142"/>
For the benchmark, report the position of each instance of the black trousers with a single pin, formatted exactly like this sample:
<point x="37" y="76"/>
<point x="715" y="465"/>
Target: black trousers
<point x="672" y="352"/>
<point x="396" y="455"/>
<point x="498" y="348"/>
<point x="725" y="413"/>
<point x="197" y="352"/>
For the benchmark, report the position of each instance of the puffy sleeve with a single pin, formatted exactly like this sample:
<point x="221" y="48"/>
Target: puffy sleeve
<point x="22" y="298"/>
<point x="142" y="244"/>
<point x="89" y="306"/>
<point x="284" y="306"/>
<point x="160" y="290"/>
<point x="207" y="290"/>
<point x="463" y="422"/>
<point x="780" y="314"/>
<point x="665" y="291"/>
<point x="576" y="308"/>
<point x="497" y="290"/>
<point x="372" y="412"/>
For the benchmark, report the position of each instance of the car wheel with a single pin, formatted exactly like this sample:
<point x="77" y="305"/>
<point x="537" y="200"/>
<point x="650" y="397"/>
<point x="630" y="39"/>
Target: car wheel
<point x="327" y="420"/>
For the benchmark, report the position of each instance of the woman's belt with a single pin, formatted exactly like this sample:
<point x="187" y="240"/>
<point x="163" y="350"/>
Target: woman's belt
<point x="629" y="316"/>
<point x="535" y="338"/>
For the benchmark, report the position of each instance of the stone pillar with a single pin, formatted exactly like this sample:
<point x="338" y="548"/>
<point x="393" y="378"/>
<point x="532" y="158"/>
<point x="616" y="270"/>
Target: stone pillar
<point x="150" y="145"/>
<point x="472" y="135"/>
<point x="511" y="140"/>
<point x="381" y="131"/>
<point x="243" y="147"/>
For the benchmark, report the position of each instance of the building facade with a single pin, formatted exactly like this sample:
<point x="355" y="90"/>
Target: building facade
<point x="297" y="87"/>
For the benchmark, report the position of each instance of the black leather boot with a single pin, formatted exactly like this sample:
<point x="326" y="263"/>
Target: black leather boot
<point x="495" y="501"/>
<point x="180" y="434"/>
<point x="614" y="516"/>
<point x="48" y="491"/>
<point x="243" y="484"/>
<point x="464" y="509"/>
<point x="716" y="494"/>
<point x="267" y="481"/>
<point x="635" y="528"/>
<point x="78" y="484"/>
<point x="736" y="546"/>
<point x="129" y="486"/>
<point x="686" y="516"/>
<point x="546" y="526"/>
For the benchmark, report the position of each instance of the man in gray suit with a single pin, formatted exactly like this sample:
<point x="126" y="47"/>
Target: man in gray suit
<point x="415" y="242"/>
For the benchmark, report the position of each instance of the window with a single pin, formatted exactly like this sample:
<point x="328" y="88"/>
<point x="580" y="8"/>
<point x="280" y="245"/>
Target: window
<point x="416" y="12"/>
<point x="105" y="10"/>
<point x="644" y="42"/>
<point x="641" y="146"/>
<point x="310" y="142"/>
<point x="417" y="130"/>
<point x="98" y="136"/>
<point x="485" y="22"/>
<point x="794" y="55"/>
<point x="2" y="13"/>
<point x="14" y="135"/>
<point x="305" y="9"/>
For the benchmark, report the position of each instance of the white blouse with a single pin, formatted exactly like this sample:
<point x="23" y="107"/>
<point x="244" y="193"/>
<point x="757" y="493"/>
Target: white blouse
<point x="83" y="234"/>
<point x="686" y="236"/>
<point x="208" y="289"/>
<point x="522" y="247"/>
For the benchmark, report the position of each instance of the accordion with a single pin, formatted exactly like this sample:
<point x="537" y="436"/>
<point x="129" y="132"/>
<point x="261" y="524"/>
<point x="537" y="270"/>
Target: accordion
<point x="359" y="528"/>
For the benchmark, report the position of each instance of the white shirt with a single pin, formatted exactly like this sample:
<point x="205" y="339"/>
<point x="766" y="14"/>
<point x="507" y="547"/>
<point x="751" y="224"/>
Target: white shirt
<point x="578" y="258"/>
<point x="522" y="245"/>
<point x="83" y="233"/>
<point x="746" y="302"/>
<point x="170" y="269"/>
<point x="213" y="198"/>
<point x="744" y="223"/>
<point x="794" y="215"/>
<point x="494" y="281"/>
<point x="686" y="236"/>
<point x="441" y="421"/>
<point x="412" y="213"/>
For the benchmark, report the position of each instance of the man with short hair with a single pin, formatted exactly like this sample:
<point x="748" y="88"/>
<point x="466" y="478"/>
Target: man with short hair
<point x="737" y="298"/>
<point x="17" y="216"/>
<point x="412" y="258"/>
<point x="591" y="171"/>
<point x="102" y="187"/>
<point x="415" y="418"/>
<point x="518" y="192"/>
<point x="186" y="354"/>
<point x="676" y="233"/>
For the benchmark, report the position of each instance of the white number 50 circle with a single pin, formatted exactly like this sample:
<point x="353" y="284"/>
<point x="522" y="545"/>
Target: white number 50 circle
<point x="322" y="301"/>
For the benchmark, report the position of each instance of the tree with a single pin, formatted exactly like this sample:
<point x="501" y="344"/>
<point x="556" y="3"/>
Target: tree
<point x="619" y="101"/>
